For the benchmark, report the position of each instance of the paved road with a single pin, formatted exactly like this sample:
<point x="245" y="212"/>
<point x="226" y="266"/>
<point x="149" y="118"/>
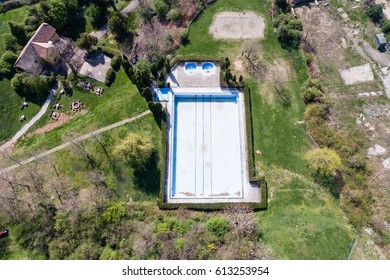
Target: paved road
<point x="102" y="31"/>
<point x="27" y="126"/>
<point x="78" y="139"/>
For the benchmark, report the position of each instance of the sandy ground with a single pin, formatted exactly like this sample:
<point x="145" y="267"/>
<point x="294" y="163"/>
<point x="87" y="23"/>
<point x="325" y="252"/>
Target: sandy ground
<point x="232" y="25"/>
<point x="358" y="74"/>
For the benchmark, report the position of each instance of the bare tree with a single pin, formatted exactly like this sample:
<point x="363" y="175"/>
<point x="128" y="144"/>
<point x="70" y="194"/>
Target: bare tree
<point x="251" y="53"/>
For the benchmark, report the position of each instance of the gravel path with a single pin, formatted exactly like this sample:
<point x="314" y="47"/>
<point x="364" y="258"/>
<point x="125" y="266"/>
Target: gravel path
<point x="78" y="139"/>
<point x="27" y="126"/>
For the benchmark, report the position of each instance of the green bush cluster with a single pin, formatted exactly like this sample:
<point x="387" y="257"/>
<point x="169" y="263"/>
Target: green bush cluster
<point x="350" y="146"/>
<point x="311" y="91"/>
<point x="110" y="77"/>
<point x="288" y="30"/>
<point x="116" y="62"/>
<point x="14" y="4"/>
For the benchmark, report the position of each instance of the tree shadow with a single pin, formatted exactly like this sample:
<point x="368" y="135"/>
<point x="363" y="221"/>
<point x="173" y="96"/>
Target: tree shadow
<point x="76" y="27"/>
<point x="333" y="184"/>
<point x="147" y="177"/>
<point x="4" y="248"/>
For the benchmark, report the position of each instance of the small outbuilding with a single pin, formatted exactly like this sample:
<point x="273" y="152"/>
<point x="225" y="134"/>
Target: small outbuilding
<point x="380" y="40"/>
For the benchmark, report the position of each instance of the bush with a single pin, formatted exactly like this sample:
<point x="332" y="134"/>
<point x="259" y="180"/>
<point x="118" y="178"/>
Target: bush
<point x="87" y="42"/>
<point x="323" y="162"/>
<point x="184" y="38"/>
<point x="161" y="9"/>
<point x="116" y="62"/>
<point x="288" y="30"/>
<point x="5" y="68"/>
<point x="32" y="86"/>
<point x="311" y="90"/>
<point x="110" y="77"/>
<point x="375" y="13"/>
<point x="386" y="26"/>
<point x="218" y="227"/>
<point x="9" y="57"/>
<point x="114" y="213"/>
<point x="173" y="15"/>
<point x="10" y="42"/>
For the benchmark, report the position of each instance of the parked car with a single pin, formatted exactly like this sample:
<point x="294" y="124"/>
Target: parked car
<point x="4" y="233"/>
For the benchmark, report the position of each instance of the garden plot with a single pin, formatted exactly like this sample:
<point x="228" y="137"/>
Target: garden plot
<point x="358" y="74"/>
<point x="232" y="25"/>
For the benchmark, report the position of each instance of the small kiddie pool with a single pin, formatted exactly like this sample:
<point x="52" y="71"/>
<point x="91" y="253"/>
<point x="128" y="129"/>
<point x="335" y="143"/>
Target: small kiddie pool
<point x="190" y="67"/>
<point x="208" y="67"/>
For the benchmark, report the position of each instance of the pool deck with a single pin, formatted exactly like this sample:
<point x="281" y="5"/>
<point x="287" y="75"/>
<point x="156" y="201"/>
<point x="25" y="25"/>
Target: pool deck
<point x="209" y="164"/>
<point x="178" y="77"/>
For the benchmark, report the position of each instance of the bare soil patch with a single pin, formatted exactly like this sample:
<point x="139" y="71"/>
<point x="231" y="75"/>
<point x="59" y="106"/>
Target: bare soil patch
<point x="233" y="25"/>
<point x="358" y="74"/>
<point x="52" y="124"/>
<point x="325" y="34"/>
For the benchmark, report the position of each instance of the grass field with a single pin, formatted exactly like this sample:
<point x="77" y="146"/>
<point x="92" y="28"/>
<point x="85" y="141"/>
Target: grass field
<point x="303" y="220"/>
<point x="16" y="15"/>
<point x="119" y="101"/>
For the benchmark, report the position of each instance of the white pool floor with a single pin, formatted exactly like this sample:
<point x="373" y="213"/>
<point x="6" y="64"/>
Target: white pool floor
<point x="207" y="148"/>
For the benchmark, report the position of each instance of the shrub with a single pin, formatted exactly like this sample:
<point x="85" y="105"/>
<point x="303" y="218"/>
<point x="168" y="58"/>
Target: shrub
<point x="386" y="26"/>
<point x="218" y="227"/>
<point x="375" y="13"/>
<point x="288" y="30"/>
<point x="173" y="15"/>
<point x="161" y="9"/>
<point x="135" y="149"/>
<point x="323" y="162"/>
<point x="33" y="86"/>
<point x="114" y="213"/>
<point x="116" y="62"/>
<point x="311" y="90"/>
<point x="9" y="57"/>
<point x="110" y="77"/>
<point x="184" y="37"/>
<point x="10" y="42"/>
<point x="5" y="68"/>
<point x="87" y="41"/>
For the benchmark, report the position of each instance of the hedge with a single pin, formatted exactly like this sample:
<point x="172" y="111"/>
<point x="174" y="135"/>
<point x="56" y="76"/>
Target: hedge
<point x="110" y="77"/>
<point x="14" y="4"/>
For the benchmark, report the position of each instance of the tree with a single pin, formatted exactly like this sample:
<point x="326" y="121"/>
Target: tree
<point x="87" y="41"/>
<point x="10" y="42"/>
<point x="323" y="162"/>
<point x="57" y="13"/>
<point x="118" y="25"/>
<point x="33" y="86"/>
<point x="311" y="90"/>
<point x="386" y="26"/>
<point x="95" y="12"/>
<point x="135" y="149"/>
<point x="7" y="62"/>
<point x="18" y="31"/>
<point x="173" y="15"/>
<point x="161" y="9"/>
<point x="375" y="13"/>
<point x="288" y="30"/>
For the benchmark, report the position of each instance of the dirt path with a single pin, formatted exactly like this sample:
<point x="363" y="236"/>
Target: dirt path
<point x="26" y="127"/>
<point x="78" y="139"/>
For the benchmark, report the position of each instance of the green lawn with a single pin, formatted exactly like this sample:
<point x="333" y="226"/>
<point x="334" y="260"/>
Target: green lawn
<point x="16" y="15"/>
<point x="10" y="111"/>
<point x="303" y="220"/>
<point x="119" y="101"/>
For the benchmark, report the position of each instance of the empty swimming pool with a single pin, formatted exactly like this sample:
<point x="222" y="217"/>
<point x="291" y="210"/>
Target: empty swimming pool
<point x="190" y="67"/>
<point x="206" y="155"/>
<point x="208" y="67"/>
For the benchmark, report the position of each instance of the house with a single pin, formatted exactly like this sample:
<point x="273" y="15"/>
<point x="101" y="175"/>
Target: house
<point x="45" y="48"/>
<point x="380" y="40"/>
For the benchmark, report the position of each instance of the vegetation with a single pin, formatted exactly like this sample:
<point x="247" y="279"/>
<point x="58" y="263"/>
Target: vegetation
<point x="117" y="25"/>
<point x="323" y="162"/>
<point x="87" y="42"/>
<point x="135" y="149"/>
<point x="288" y="30"/>
<point x="34" y="87"/>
